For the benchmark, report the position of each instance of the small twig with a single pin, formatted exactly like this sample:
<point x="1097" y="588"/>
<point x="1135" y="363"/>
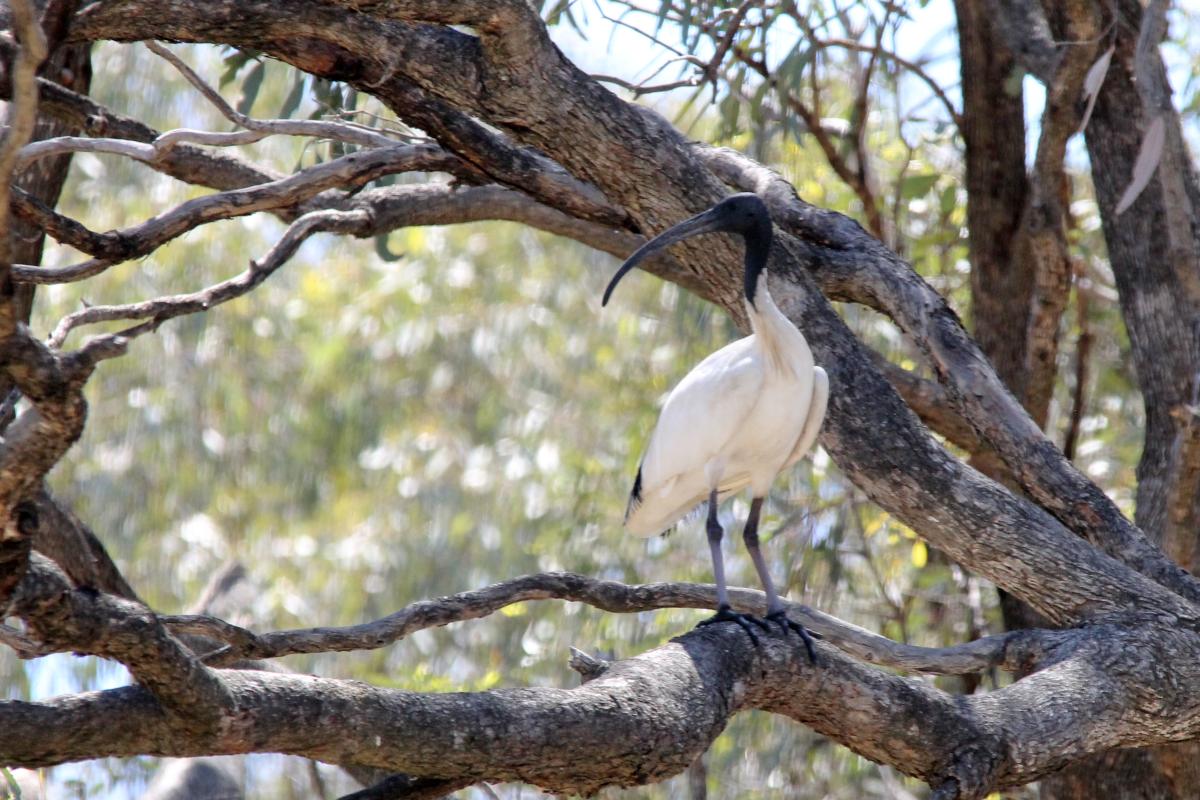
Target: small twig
<point x="707" y="68"/>
<point x="340" y="131"/>
<point x="635" y="29"/>
<point x="161" y="309"/>
<point x="640" y="89"/>
<point x="726" y="41"/>
<point x="812" y="119"/>
<point x="588" y="666"/>
<point x="1083" y="351"/>
<point x="347" y="172"/>
<point x="911" y="66"/>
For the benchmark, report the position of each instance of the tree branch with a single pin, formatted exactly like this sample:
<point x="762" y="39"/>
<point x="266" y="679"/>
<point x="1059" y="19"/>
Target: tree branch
<point x="21" y="121"/>
<point x="682" y="693"/>
<point x="346" y="172"/>
<point x="163" y="308"/>
<point x="1042" y="237"/>
<point x="35" y="442"/>
<point x="931" y="403"/>
<point x="606" y="595"/>
<point x="340" y="131"/>
<point x="63" y="618"/>
<point x="184" y="162"/>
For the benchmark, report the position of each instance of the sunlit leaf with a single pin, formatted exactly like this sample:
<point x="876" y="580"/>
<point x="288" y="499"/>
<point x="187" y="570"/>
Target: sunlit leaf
<point x="920" y="554"/>
<point x="515" y="610"/>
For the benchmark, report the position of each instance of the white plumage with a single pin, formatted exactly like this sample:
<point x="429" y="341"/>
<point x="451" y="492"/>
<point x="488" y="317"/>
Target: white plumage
<point x="738" y="419"/>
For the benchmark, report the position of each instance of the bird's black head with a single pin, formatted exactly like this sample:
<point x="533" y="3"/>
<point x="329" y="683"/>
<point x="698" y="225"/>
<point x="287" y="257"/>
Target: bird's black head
<point x="744" y="214"/>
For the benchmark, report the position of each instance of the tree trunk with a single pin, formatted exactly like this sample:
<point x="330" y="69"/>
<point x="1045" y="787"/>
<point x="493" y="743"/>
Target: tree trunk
<point x="1152" y="268"/>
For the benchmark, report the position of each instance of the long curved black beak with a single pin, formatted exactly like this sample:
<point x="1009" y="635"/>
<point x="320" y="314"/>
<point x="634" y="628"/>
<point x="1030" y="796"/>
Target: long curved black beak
<point x="707" y="222"/>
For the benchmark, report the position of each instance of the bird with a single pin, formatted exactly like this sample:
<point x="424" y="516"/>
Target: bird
<point x="737" y="420"/>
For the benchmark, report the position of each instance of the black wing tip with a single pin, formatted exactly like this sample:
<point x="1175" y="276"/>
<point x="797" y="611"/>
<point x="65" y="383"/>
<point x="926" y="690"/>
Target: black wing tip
<point x="635" y="495"/>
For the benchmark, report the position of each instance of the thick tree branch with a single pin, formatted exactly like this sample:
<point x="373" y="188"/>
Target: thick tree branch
<point x="70" y="544"/>
<point x="40" y="436"/>
<point x="1026" y="30"/>
<point x="63" y="618"/>
<point x="1081" y="699"/>
<point x="930" y="402"/>
<point x="396" y="207"/>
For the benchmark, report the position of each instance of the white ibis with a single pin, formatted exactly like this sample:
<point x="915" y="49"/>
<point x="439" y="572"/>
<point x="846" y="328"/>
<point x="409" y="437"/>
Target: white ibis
<point x="738" y="419"/>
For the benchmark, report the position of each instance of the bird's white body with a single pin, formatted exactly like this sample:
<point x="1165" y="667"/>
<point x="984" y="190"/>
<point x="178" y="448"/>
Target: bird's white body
<point x="738" y="419"/>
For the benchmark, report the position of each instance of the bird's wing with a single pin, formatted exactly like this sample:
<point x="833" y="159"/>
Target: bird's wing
<point x="702" y="414"/>
<point x="816" y="415"/>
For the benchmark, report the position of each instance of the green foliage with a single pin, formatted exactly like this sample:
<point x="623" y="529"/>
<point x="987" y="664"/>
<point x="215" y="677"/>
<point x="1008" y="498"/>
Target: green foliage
<point x="13" y="789"/>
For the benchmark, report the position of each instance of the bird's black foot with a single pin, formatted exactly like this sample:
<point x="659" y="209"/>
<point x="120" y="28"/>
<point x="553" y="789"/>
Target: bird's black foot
<point x="727" y="614"/>
<point x="780" y="618"/>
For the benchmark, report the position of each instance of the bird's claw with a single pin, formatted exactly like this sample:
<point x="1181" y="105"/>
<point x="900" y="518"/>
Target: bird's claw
<point x="780" y="618"/>
<point x="727" y="614"/>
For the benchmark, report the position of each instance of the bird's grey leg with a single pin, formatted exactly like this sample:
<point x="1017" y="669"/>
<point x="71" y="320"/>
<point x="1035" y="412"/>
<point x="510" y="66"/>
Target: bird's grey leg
<point x="775" y="609"/>
<point x="715" y="534"/>
<point x="725" y="612"/>
<point x="750" y="537"/>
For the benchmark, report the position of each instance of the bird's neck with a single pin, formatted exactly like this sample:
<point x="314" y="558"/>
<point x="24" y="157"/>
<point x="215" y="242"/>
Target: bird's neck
<point x="758" y="247"/>
<point x="781" y="341"/>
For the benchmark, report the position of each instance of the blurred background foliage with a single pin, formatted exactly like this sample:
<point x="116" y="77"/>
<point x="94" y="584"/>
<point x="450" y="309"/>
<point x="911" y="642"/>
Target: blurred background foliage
<point x="391" y="421"/>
